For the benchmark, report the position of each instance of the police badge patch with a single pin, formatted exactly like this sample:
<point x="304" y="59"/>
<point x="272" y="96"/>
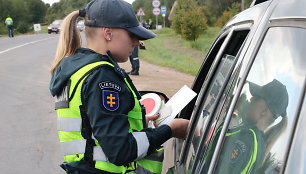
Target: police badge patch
<point x="110" y="100"/>
<point x="237" y="151"/>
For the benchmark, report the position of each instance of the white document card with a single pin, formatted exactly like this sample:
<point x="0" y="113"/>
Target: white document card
<point x="175" y="105"/>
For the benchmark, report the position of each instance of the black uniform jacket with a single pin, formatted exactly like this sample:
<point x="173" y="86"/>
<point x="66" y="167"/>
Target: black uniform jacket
<point x="109" y="122"/>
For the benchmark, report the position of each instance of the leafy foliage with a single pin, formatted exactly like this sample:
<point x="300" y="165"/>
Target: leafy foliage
<point x="23" y="27"/>
<point x="36" y="11"/>
<point x="62" y="8"/>
<point x="189" y="20"/>
<point x="214" y="8"/>
<point x="228" y="14"/>
<point x="23" y="11"/>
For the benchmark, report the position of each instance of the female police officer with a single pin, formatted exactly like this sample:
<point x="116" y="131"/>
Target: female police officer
<point x="100" y="122"/>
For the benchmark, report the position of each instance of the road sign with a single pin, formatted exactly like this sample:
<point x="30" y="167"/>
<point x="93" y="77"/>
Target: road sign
<point x="37" y="27"/>
<point x="156" y="11"/>
<point x="163" y="9"/>
<point x="155" y="3"/>
<point x="140" y="12"/>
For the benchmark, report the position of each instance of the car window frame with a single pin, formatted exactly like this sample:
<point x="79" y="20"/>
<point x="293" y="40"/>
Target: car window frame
<point x="247" y="61"/>
<point x="242" y="26"/>
<point x="228" y="88"/>
<point x="276" y="22"/>
<point x="204" y="86"/>
<point x="203" y="74"/>
<point x="226" y="36"/>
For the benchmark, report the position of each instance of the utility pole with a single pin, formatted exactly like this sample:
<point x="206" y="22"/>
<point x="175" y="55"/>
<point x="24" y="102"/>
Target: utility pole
<point x="242" y="5"/>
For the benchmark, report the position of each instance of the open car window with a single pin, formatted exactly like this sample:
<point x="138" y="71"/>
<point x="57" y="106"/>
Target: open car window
<point x="220" y="76"/>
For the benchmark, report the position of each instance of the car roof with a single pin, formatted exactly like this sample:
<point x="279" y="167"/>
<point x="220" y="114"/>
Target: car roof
<point x="252" y="15"/>
<point x="290" y="9"/>
<point x="278" y="9"/>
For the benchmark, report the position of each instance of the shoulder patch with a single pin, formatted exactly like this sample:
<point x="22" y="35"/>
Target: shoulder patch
<point x="238" y="149"/>
<point x="110" y="100"/>
<point x="109" y="85"/>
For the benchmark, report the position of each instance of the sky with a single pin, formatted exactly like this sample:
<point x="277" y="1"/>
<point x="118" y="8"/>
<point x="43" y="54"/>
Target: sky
<point x="53" y="1"/>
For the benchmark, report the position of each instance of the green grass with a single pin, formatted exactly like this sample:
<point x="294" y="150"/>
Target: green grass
<point x="44" y="29"/>
<point x="169" y="49"/>
<point x="203" y="43"/>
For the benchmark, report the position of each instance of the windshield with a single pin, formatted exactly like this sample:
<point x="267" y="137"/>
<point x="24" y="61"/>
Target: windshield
<point x="57" y="22"/>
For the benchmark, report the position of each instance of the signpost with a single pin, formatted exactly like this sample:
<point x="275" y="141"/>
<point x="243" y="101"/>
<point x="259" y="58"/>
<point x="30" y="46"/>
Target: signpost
<point x="163" y="12"/>
<point x="37" y="27"/>
<point x="156" y="10"/>
<point x="140" y="13"/>
<point x="155" y="3"/>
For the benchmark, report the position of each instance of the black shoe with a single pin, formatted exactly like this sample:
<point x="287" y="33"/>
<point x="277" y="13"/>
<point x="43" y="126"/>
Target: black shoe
<point x="131" y="71"/>
<point x="136" y="73"/>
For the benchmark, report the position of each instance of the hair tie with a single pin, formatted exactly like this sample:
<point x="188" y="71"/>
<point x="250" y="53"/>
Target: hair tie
<point x="82" y="13"/>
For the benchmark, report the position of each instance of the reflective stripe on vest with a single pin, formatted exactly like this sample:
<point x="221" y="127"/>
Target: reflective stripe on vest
<point x="70" y="122"/>
<point x="73" y="147"/>
<point x="254" y="155"/>
<point x="142" y="144"/>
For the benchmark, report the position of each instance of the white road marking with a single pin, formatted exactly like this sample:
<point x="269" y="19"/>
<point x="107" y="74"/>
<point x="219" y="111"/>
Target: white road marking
<point x="29" y="43"/>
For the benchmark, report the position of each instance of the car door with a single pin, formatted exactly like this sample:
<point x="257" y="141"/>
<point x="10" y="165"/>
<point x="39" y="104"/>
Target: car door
<point x="280" y="57"/>
<point x="211" y="91"/>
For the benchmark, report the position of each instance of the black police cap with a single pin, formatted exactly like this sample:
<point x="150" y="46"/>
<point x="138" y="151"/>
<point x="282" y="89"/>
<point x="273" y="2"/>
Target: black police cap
<point x="115" y="14"/>
<point x="275" y="94"/>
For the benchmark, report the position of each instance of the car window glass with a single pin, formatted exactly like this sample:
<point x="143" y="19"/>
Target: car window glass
<point x="202" y="75"/>
<point x="296" y="160"/>
<point x="187" y="111"/>
<point x="208" y="143"/>
<point x="220" y="76"/>
<point x="263" y="119"/>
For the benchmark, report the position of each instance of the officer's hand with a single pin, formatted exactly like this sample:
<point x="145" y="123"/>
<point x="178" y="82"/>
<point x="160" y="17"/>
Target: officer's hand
<point x="179" y="127"/>
<point x="151" y="118"/>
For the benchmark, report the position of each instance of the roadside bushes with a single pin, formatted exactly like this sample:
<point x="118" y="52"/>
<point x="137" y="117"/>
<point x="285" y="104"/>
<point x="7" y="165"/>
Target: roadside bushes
<point x="23" y="27"/>
<point x="3" y="29"/>
<point x="228" y="14"/>
<point x="189" y="20"/>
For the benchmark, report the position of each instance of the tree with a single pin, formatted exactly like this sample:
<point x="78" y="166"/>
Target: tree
<point x="25" y="13"/>
<point x="228" y="14"/>
<point x="62" y="8"/>
<point x="37" y="10"/>
<point x="189" y="20"/>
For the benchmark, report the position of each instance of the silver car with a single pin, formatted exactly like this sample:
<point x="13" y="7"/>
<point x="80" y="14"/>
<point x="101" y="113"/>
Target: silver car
<point x="250" y="111"/>
<point x="55" y="26"/>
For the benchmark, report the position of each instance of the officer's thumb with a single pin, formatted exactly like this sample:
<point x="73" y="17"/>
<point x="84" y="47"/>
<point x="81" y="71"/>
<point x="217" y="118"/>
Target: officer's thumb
<point x="153" y="117"/>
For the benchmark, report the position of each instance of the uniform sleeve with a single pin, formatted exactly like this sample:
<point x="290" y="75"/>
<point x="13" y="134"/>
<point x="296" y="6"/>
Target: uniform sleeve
<point x="107" y="101"/>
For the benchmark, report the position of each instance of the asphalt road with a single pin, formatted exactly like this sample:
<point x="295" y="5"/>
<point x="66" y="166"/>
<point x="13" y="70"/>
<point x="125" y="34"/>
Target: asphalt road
<point x="29" y="142"/>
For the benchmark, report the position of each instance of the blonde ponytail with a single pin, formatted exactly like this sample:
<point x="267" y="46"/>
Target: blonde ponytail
<point x="69" y="39"/>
